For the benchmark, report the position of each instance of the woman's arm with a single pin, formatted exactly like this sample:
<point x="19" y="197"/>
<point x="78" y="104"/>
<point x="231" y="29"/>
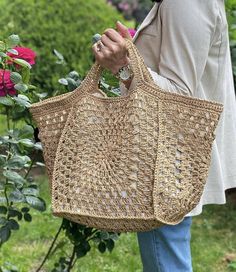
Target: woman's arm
<point x="188" y="29"/>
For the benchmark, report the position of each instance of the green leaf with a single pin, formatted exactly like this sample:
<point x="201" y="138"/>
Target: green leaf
<point x="14" y="176"/>
<point x="32" y="87"/>
<point x="24" y="97"/>
<point x="33" y="185"/>
<point x="104" y="235"/>
<point x="2" y="160"/>
<point x="78" y="237"/>
<point x="71" y="84"/>
<point x="74" y="75"/>
<point x="5" y="234"/>
<point x="26" y="132"/>
<point x="82" y="249"/>
<point x="13" y="51"/>
<point x="40" y="164"/>
<point x="13" y="141"/>
<point x="22" y="101"/>
<point x="59" y="56"/>
<point x="63" y="81"/>
<point x="26" y="142"/>
<point x="2" y="46"/>
<point x="88" y="231"/>
<point x="2" y="54"/>
<point x="3" y="220"/>
<point x="110" y="244"/>
<point x="22" y="63"/>
<point x="3" y="209"/>
<point x="105" y="85"/>
<point x="114" y="236"/>
<point x="25" y="75"/>
<point x="16" y="196"/>
<point x="13" y="40"/>
<point x="19" y="109"/>
<point x="7" y="101"/>
<point x="14" y="132"/>
<point x="40" y="95"/>
<point x="36" y="202"/>
<point x="18" y="162"/>
<point x="102" y="247"/>
<point x="27" y="217"/>
<point x="38" y="146"/>
<point x="30" y="191"/>
<point x="15" y="77"/>
<point x="14" y="213"/>
<point x="25" y="209"/>
<point x="21" y="87"/>
<point x="13" y="224"/>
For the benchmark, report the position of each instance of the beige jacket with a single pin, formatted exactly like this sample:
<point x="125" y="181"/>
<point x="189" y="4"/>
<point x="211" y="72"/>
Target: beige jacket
<point x="185" y="44"/>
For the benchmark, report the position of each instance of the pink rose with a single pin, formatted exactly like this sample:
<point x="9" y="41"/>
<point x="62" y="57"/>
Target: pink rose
<point x="6" y="85"/>
<point x="132" y="32"/>
<point x="24" y="53"/>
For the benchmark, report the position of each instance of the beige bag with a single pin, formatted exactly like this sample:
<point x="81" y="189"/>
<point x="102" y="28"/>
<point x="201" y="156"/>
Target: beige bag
<point x="129" y="163"/>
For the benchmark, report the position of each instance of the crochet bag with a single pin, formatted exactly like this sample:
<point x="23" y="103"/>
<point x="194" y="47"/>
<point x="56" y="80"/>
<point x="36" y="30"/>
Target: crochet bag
<point x="128" y="163"/>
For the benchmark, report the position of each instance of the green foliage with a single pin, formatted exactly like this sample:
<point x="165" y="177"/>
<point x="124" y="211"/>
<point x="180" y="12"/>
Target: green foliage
<point x="17" y="144"/>
<point x="231" y="17"/>
<point x="230" y="6"/>
<point x="67" y="26"/>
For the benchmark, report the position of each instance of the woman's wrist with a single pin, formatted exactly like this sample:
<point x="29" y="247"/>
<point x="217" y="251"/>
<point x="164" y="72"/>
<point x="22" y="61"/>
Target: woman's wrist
<point x="127" y="69"/>
<point x="127" y="83"/>
<point x="123" y="63"/>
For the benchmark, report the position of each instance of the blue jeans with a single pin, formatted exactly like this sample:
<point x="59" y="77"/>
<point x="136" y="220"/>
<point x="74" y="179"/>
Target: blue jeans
<point x="167" y="249"/>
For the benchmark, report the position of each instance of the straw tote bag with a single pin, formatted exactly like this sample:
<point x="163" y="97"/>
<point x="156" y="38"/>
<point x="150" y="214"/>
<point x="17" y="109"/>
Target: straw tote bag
<point x="128" y="163"/>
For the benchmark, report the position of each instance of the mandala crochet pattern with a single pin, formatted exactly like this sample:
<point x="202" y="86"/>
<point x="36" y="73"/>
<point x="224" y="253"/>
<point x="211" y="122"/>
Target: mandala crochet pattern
<point x="129" y="163"/>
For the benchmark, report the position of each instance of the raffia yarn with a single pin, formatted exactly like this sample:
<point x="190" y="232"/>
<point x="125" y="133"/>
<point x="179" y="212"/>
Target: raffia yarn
<point x="128" y="163"/>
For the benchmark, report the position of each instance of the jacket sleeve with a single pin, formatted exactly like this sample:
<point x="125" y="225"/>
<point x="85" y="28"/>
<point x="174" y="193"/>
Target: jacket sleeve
<point x="188" y="29"/>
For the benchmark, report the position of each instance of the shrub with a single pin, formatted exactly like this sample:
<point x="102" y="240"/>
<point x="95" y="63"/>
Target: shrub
<point x="231" y="16"/>
<point x="67" y="26"/>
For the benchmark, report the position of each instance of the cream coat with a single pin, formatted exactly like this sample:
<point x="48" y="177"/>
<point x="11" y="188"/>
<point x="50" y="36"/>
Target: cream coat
<point x="185" y="44"/>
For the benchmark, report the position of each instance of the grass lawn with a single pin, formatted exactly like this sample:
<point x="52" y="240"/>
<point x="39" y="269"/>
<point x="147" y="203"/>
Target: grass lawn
<point x="213" y="241"/>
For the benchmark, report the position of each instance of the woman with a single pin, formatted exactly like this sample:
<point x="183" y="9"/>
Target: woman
<point x="185" y="44"/>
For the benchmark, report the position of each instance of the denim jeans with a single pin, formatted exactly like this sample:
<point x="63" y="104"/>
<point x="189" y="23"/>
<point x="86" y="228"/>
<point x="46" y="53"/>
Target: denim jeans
<point x="167" y="249"/>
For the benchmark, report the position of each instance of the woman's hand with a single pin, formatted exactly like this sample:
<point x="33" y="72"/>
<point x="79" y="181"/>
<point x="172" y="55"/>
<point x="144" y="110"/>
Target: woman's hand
<point x="113" y="53"/>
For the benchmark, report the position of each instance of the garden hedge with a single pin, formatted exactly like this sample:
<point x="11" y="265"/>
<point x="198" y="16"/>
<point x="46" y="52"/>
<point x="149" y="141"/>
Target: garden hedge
<point x="67" y="26"/>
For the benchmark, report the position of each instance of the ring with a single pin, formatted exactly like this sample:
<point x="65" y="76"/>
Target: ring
<point x="99" y="45"/>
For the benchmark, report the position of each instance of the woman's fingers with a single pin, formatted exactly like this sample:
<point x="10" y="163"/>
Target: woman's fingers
<point x="111" y="52"/>
<point x="113" y="35"/>
<point x="107" y="41"/>
<point x="123" y="30"/>
<point x="102" y="53"/>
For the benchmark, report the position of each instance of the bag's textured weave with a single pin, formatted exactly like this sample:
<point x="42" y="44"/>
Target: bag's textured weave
<point x="128" y="163"/>
<point x="51" y="115"/>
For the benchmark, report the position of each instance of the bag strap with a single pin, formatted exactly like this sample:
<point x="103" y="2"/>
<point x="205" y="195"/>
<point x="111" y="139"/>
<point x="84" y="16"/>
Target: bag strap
<point x="137" y="64"/>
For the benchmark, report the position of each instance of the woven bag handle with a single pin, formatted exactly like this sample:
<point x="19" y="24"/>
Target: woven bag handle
<point x="138" y="66"/>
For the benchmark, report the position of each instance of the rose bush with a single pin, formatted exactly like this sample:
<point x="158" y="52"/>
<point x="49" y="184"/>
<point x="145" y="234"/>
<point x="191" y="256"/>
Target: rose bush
<point x="19" y="147"/>
<point x="6" y="85"/>
<point x="23" y="53"/>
